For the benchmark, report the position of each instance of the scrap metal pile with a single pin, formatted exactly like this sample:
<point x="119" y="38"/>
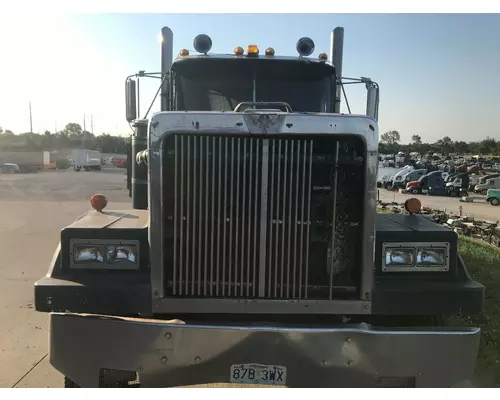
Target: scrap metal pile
<point x="487" y="231"/>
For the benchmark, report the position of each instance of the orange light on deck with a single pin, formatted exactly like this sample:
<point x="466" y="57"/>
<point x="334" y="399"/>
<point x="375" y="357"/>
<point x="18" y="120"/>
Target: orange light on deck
<point x="98" y="202"/>
<point x="238" y="51"/>
<point x="184" y="52"/>
<point x="269" y="51"/>
<point x="323" y="57"/>
<point x="413" y="205"/>
<point x="253" y="50"/>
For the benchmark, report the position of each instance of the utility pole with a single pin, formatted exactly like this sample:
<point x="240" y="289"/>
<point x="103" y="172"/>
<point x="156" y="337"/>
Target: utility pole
<point x="31" y="120"/>
<point x="91" y="124"/>
<point x="84" y="128"/>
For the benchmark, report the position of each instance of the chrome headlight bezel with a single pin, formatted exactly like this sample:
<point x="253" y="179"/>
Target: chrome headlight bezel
<point x="416" y="246"/>
<point x="103" y="245"/>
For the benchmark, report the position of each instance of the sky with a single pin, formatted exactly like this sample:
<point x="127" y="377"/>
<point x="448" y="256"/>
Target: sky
<point x="438" y="73"/>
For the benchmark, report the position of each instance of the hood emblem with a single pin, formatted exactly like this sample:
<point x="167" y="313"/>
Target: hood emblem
<point x="264" y="121"/>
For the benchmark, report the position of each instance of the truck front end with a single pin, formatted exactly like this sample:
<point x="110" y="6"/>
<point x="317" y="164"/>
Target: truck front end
<point x="260" y="258"/>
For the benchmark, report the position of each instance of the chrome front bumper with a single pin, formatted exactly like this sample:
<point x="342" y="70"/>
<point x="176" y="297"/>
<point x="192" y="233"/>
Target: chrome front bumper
<point x="171" y="353"/>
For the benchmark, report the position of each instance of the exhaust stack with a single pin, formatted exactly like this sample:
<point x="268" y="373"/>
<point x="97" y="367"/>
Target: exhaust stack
<point x="337" y="52"/>
<point x="167" y="55"/>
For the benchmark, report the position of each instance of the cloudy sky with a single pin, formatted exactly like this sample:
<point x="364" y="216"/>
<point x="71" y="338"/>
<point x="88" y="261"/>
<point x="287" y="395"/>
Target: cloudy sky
<point x="438" y="73"/>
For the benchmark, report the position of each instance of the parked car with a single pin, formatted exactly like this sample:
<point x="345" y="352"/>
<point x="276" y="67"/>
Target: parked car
<point x="493" y="197"/>
<point x="11" y="168"/>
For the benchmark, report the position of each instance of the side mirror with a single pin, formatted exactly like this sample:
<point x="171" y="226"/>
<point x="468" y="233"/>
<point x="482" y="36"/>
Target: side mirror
<point x="130" y="100"/>
<point x="372" y="99"/>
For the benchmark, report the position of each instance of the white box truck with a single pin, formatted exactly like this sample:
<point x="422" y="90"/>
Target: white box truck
<point x="86" y="159"/>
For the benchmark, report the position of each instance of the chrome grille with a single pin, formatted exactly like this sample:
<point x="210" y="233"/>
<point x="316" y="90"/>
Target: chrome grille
<point x="240" y="219"/>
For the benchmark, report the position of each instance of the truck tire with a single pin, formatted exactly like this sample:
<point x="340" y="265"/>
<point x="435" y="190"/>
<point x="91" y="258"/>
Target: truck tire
<point x="415" y="191"/>
<point x="494" y="201"/>
<point x="485" y="192"/>
<point x="453" y="193"/>
<point x="68" y="383"/>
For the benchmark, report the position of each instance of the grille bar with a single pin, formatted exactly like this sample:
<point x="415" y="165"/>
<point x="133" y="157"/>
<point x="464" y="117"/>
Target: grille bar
<point x="245" y="215"/>
<point x="308" y="219"/>
<point x="263" y="218"/>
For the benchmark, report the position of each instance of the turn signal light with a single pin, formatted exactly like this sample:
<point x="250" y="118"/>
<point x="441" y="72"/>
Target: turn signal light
<point x="184" y="52"/>
<point x="413" y="205"/>
<point x="98" y="202"/>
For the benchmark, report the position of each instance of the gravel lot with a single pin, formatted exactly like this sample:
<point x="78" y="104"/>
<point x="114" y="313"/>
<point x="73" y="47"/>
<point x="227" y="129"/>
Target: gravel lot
<point x="478" y="208"/>
<point x="33" y="210"/>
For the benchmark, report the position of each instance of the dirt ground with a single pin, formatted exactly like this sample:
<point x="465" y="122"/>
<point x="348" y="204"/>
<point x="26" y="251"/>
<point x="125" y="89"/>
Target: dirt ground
<point x="33" y="210"/>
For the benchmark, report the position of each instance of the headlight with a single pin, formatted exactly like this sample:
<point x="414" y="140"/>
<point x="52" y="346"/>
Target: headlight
<point x="127" y="254"/>
<point x="400" y="256"/>
<point x="431" y="256"/>
<point x="88" y="254"/>
<point x="413" y="257"/>
<point x="104" y="254"/>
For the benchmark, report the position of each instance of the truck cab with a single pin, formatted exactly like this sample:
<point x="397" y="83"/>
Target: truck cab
<point x="486" y="183"/>
<point x="433" y="179"/>
<point x="253" y="252"/>
<point x="410" y="176"/>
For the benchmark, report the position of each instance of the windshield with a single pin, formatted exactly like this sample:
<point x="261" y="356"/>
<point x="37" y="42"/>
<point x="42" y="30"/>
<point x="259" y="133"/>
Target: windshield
<point x="221" y="84"/>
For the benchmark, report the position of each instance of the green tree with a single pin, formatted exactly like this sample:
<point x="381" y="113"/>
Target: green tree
<point x="416" y="139"/>
<point x="488" y="146"/>
<point x="461" y="147"/>
<point x="73" y="129"/>
<point x="444" y="145"/>
<point x="390" y="137"/>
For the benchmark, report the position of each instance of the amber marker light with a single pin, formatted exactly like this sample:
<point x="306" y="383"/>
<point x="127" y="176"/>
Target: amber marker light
<point x="253" y="50"/>
<point x="238" y="51"/>
<point x="98" y="202"/>
<point x="269" y="51"/>
<point x="413" y="205"/>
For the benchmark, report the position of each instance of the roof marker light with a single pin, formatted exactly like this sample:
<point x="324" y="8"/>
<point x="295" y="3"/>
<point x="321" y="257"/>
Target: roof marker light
<point x="253" y="50"/>
<point x="269" y="51"/>
<point x="323" y="57"/>
<point x="183" y="53"/>
<point x="238" y="51"/>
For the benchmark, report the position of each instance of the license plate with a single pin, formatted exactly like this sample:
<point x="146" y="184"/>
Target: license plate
<point x="258" y="374"/>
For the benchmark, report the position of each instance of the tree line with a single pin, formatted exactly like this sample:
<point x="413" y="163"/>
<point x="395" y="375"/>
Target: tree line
<point x="390" y="144"/>
<point x="72" y="136"/>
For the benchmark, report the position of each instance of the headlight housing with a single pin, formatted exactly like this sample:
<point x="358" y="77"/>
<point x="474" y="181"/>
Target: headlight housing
<point x="415" y="257"/>
<point x="104" y="254"/>
<point x="87" y="254"/>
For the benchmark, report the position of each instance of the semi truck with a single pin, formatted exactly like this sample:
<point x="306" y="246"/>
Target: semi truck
<point x="28" y="161"/>
<point x="252" y="252"/>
